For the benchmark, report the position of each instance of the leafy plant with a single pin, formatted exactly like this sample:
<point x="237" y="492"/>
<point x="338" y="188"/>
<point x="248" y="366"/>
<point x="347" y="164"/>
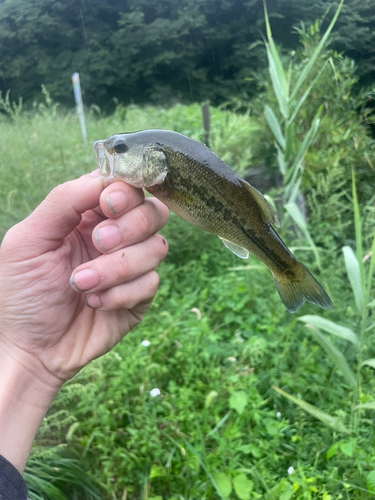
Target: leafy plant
<point x="360" y="272"/>
<point x="290" y="151"/>
<point x="49" y="475"/>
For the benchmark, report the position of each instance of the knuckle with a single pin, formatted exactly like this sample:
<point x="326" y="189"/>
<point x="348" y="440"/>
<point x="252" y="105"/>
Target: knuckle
<point x="124" y="269"/>
<point x="119" y="299"/>
<point x="56" y="193"/>
<point x="9" y="240"/>
<point x="161" y="210"/>
<point x="144" y="220"/>
<point x="153" y="283"/>
<point x="150" y="284"/>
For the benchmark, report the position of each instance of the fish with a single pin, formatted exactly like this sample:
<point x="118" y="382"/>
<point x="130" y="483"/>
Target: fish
<point x="192" y="181"/>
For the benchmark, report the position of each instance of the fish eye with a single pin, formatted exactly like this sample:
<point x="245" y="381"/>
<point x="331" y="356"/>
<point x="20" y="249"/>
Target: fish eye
<point x="120" y="147"/>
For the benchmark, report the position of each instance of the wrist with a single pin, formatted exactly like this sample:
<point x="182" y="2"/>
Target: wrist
<point x="25" y="397"/>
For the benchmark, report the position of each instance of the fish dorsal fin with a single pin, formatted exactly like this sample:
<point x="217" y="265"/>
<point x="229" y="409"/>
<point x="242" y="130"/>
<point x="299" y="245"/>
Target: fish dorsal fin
<point x="267" y="210"/>
<point x="241" y="252"/>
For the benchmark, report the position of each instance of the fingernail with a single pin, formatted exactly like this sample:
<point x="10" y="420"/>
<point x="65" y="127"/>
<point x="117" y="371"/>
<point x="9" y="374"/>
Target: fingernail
<point x="94" y="173"/>
<point x="84" y="280"/>
<point x="108" y="237"/>
<point x="94" y="302"/>
<point x="116" y="201"/>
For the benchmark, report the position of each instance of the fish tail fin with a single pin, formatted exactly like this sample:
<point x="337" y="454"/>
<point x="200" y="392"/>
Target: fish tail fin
<point x="301" y="286"/>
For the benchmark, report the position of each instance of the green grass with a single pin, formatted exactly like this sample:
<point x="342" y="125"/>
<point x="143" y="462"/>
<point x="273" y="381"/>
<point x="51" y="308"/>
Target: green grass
<point x="219" y="339"/>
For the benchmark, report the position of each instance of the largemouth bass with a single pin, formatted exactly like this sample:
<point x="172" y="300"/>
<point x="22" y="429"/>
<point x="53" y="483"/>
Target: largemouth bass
<point x="199" y="187"/>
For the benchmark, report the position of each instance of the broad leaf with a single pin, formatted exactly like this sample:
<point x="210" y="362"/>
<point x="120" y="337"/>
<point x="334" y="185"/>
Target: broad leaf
<point x="336" y="356"/>
<point x="306" y="143"/>
<point x="371" y="270"/>
<point x="306" y="94"/>
<point x="366" y="406"/>
<point x="315" y="55"/>
<point x="238" y="401"/>
<point x="324" y="417"/>
<point x="330" y="327"/>
<point x="274" y="125"/>
<point x="354" y="275"/>
<point x="279" y="78"/>
<point x="294" y="211"/>
<point x="370" y="481"/>
<point x="281" y="159"/>
<point x="223" y="482"/>
<point x="243" y="486"/>
<point x="369" y="362"/>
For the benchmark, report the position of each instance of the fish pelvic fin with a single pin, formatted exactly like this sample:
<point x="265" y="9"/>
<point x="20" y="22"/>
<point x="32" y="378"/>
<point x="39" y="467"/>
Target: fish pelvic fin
<point x="303" y="287"/>
<point x="268" y="212"/>
<point x="241" y="252"/>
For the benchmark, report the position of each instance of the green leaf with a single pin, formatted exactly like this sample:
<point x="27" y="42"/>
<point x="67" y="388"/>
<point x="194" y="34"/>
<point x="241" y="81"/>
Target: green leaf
<point x="306" y="143"/>
<point x="272" y="426"/>
<point x="217" y="427"/>
<point x="370" y="481"/>
<point x="279" y="79"/>
<point x="238" y="401"/>
<point x="274" y="125"/>
<point x="281" y="159"/>
<point x="354" y="275"/>
<point x="371" y="271"/>
<point x="294" y="211"/>
<point x="223" y="482"/>
<point x="333" y="450"/>
<point x="306" y="94"/>
<point x="347" y="447"/>
<point x="330" y="327"/>
<point x="203" y="465"/>
<point x="290" y="141"/>
<point x="368" y="362"/>
<point x="324" y="417"/>
<point x="357" y="225"/>
<point x="286" y="491"/>
<point x="315" y="55"/>
<point x="336" y="356"/>
<point x="283" y="104"/>
<point x="366" y="406"/>
<point x="242" y="486"/>
<point x="157" y="471"/>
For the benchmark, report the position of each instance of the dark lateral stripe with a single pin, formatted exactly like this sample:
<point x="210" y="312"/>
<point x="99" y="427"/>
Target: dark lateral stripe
<point x="189" y="184"/>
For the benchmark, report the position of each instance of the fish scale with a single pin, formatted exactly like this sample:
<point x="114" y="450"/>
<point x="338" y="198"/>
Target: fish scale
<point x="202" y="189"/>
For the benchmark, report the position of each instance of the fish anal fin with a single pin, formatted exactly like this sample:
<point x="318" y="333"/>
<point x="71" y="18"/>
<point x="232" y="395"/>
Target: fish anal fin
<point x="266" y="208"/>
<point x="241" y="252"/>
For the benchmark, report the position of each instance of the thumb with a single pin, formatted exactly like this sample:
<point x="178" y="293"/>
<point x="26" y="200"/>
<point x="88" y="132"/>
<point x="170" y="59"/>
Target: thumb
<point x="59" y="213"/>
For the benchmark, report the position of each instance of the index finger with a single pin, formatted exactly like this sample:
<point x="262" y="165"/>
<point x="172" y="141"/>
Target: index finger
<point x="120" y="197"/>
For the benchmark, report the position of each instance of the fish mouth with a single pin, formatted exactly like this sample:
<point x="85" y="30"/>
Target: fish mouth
<point x="104" y="160"/>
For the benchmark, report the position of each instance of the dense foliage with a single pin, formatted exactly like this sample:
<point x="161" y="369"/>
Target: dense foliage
<point x="159" y="51"/>
<point x="219" y="338"/>
<point x="251" y="401"/>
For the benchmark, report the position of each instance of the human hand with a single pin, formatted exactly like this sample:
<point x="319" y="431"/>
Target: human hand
<point x="50" y="328"/>
<point x="46" y="323"/>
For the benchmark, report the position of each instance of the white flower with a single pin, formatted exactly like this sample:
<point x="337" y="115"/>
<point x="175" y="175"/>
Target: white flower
<point x="290" y="470"/>
<point x="278" y="414"/>
<point x="155" y="392"/>
<point x="145" y="343"/>
<point x="232" y="359"/>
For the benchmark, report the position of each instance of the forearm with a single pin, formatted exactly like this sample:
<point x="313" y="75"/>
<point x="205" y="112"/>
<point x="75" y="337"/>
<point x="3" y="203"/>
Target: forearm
<point x="24" y="401"/>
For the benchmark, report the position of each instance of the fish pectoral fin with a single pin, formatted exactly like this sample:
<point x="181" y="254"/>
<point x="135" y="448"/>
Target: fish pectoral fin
<point x="267" y="210"/>
<point x="241" y="252"/>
